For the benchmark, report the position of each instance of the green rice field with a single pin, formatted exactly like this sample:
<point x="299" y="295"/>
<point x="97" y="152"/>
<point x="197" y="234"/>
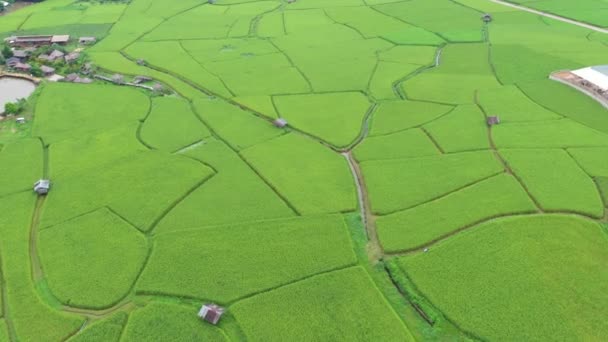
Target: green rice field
<point x="321" y="170"/>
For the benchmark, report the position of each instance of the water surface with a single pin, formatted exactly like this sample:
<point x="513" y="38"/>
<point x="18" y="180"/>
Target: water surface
<point x="12" y="89"/>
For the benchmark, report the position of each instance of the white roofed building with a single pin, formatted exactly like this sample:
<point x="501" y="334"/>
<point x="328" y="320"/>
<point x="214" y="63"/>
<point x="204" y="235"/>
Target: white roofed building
<point x="596" y="75"/>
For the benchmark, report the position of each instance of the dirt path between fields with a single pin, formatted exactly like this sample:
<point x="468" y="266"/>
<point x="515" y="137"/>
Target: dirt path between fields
<point x="552" y="16"/>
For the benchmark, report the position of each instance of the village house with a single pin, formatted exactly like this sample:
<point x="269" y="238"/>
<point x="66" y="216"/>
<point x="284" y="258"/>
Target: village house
<point x="21" y="54"/>
<point x="71" y="57"/>
<point x="11" y="62"/>
<point x="55" y="55"/>
<point x="47" y="70"/>
<point x="23" y="67"/>
<point x="41" y="40"/>
<point x="211" y="313"/>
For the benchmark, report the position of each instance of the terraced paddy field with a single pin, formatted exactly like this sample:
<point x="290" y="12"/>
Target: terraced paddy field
<point x="387" y="209"/>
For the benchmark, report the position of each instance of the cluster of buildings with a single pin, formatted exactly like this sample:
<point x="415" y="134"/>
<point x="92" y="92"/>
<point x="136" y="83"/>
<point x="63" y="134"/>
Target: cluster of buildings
<point x="24" y="48"/>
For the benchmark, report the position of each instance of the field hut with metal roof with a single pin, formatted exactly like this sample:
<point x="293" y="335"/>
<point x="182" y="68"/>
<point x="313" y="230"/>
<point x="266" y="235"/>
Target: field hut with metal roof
<point x="487" y="17"/>
<point x="87" y="40"/>
<point x="493" y="120"/>
<point x="280" y="123"/>
<point x="42" y="186"/>
<point x="211" y="313"/>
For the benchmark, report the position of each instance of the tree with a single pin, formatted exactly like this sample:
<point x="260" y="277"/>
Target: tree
<point x="36" y="71"/>
<point x="6" y="52"/>
<point x="14" y="108"/>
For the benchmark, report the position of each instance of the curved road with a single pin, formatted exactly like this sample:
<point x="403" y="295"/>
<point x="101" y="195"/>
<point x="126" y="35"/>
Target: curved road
<point x="552" y="16"/>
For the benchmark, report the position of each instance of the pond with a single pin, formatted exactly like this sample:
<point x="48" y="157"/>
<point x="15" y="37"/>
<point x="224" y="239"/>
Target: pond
<point x="12" y="89"/>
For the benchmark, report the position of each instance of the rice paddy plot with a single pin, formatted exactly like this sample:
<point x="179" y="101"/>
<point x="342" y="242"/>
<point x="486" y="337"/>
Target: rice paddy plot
<point x="106" y="329"/>
<point x="594" y="12"/>
<point x="543" y="173"/>
<point x="93" y="260"/>
<point x="78" y="155"/>
<point x="196" y="262"/>
<point x="215" y="202"/>
<point x="312" y="178"/>
<point x="592" y="160"/>
<point x="511" y="105"/>
<point x="568" y="102"/>
<point x="22" y="300"/>
<point x="167" y="321"/>
<point x="145" y="185"/>
<point x="395" y="116"/>
<point x="463" y="69"/>
<point x="463" y="129"/>
<point x="20" y="165"/>
<point x="172" y="125"/>
<point x="519" y="278"/>
<point x="169" y="56"/>
<point x="548" y="134"/>
<point x="403" y="183"/>
<point x="450" y="20"/>
<point x="347" y="298"/>
<point x="239" y="128"/>
<point x="409" y="143"/>
<point x="335" y="118"/>
<point x="498" y="196"/>
<point x="66" y="110"/>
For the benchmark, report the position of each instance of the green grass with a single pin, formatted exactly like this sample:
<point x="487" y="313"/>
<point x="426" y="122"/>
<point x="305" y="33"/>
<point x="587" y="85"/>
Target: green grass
<point x="313" y="178"/>
<point x="215" y="203"/>
<point x="543" y="172"/>
<point x="152" y="180"/>
<point x="172" y="125"/>
<point x="166" y="322"/>
<point x="335" y="118"/>
<point x="202" y="263"/>
<point x="408" y="143"/>
<point x="22" y="300"/>
<point x="20" y="165"/>
<point x="402" y="183"/>
<point x="66" y="110"/>
<point x="93" y="260"/>
<point x="329" y="307"/>
<point x="519" y="278"/>
<point x="500" y="195"/>
<point x="106" y="329"/>
<point x="395" y="116"/>
<point x="463" y="129"/>
<point x="602" y="184"/>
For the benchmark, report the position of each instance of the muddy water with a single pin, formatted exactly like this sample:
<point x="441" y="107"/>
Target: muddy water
<point x="12" y="89"/>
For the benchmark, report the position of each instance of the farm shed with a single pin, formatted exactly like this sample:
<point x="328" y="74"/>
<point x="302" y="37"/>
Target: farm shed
<point x="141" y="79"/>
<point x="42" y="186"/>
<point x="493" y="120"/>
<point x="280" y="122"/>
<point x="87" y="40"/>
<point x="211" y="313"/>
<point x="118" y="79"/>
<point x="596" y="75"/>
<point x="20" y="120"/>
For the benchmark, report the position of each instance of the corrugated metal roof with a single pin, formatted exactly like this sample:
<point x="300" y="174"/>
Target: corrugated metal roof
<point x="601" y="69"/>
